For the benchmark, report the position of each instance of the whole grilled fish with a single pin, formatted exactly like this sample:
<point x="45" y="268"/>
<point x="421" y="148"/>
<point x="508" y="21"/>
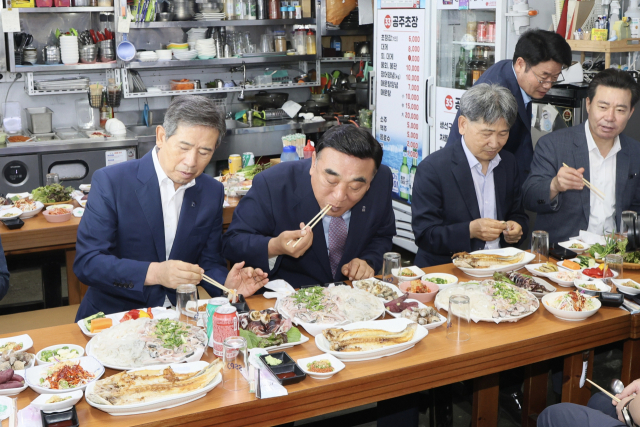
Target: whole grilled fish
<point x="366" y="339"/>
<point x="467" y="260"/>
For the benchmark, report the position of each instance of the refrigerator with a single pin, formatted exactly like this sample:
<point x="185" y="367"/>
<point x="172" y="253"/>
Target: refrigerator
<point x="416" y="94"/>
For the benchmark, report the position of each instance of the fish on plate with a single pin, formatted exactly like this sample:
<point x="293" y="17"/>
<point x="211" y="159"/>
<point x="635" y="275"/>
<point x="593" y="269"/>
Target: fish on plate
<point x="467" y="260"/>
<point x="366" y="339"/>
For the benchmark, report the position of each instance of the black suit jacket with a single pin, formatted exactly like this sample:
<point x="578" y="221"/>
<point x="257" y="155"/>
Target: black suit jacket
<point x="519" y="142"/>
<point x="444" y="203"/>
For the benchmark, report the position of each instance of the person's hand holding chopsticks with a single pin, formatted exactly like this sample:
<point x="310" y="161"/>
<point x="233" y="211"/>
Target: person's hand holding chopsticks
<point x="513" y="232"/>
<point x="245" y="281"/>
<point x="173" y="273"/>
<point x="567" y="179"/>
<point x="278" y="245"/>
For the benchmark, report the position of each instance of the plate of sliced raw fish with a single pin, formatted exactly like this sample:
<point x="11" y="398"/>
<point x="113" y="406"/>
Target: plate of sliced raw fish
<point x="153" y="388"/>
<point x="370" y="340"/>
<point x="487" y="261"/>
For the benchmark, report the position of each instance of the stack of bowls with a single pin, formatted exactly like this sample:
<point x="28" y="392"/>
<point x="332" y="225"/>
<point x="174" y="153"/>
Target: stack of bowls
<point x="30" y="55"/>
<point x="107" y="50"/>
<point x="164" y="54"/>
<point x="208" y="7"/>
<point x="185" y="55"/>
<point x="69" y="49"/>
<point x="183" y="10"/>
<point x="88" y="53"/>
<point x="206" y="49"/>
<point x="148" y="56"/>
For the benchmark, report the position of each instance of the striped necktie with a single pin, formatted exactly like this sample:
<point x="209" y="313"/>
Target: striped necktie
<point x="337" y="239"/>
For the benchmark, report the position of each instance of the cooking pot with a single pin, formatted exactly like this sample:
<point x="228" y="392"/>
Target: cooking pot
<point x="362" y="94"/>
<point x="271" y="99"/>
<point x="344" y="96"/>
<point x="363" y="49"/>
<point x="312" y="106"/>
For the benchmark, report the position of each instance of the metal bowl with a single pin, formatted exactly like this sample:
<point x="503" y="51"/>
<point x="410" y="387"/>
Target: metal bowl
<point x="164" y="16"/>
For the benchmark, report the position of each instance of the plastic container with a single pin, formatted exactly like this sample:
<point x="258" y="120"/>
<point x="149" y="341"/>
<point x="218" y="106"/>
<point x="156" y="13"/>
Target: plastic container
<point x="39" y="119"/>
<point x="311" y="42"/>
<point x="62" y="3"/>
<point x="183" y="84"/>
<point x="280" y="41"/>
<point x="44" y="3"/>
<point x="308" y="150"/>
<point x="289" y="154"/>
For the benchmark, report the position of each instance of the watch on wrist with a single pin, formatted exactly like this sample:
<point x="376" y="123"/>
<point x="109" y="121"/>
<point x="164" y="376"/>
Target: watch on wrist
<point x="628" y="419"/>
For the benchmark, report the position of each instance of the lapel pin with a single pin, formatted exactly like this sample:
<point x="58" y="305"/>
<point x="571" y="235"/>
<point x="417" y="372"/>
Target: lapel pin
<point x="364" y="208"/>
<point x="193" y="204"/>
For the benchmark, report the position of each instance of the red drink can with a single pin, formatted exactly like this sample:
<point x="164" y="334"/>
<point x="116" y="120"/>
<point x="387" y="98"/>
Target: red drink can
<point x="481" y="36"/>
<point x="225" y="324"/>
<point x="491" y="32"/>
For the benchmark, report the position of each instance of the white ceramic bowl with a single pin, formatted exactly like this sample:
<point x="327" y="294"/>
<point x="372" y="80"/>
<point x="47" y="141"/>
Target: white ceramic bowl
<point x="565" y="283"/>
<point x="335" y="363"/>
<point x="532" y="268"/>
<point x="450" y="278"/>
<point x="562" y="267"/>
<point x="31" y="214"/>
<point x="10" y="213"/>
<point x="77" y="348"/>
<point x="14" y="391"/>
<point x="626" y="289"/>
<point x="568" y="243"/>
<point x="416" y="270"/>
<point x="88" y="363"/>
<point x="40" y="402"/>
<point x="615" y="273"/>
<point x="25" y="339"/>
<point x="569" y="315"/>
<point x="599" y="284"/>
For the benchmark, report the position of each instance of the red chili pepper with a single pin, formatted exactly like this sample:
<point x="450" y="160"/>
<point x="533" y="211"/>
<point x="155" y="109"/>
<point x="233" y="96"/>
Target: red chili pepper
<point x="150" y="313"/>
<point x="107" y="34"/>
<point x="100" y="36"/>
<point x="93" y="36"/>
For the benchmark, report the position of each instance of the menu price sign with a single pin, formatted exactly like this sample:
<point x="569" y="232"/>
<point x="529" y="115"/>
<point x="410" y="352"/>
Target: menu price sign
<point x="400" y="114"/>
<point x="447" y="106"/>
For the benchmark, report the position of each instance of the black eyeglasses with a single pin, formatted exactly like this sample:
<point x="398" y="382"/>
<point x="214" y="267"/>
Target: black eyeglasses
<point x="549" y="82"/>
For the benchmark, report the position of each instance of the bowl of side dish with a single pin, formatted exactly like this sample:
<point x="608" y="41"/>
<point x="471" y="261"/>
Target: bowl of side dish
<point x="420" y="290"/>
<point x="591" y="287"/>
<point x="443" y="280"/>
<point x="57" y="214"/>
<point x="10" y="213"/>
<point x="59" y="353"/>
<point x="57" y="402"/>
<point x="627" y="286"/>
<point x="575" y="245"/>
<point x="562" y="305"/>
<point x="321" y="367"/>
<point x="407" y="273"/>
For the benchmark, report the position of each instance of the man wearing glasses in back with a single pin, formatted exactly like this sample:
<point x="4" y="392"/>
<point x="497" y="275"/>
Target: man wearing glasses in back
<point x="537" y="64"/>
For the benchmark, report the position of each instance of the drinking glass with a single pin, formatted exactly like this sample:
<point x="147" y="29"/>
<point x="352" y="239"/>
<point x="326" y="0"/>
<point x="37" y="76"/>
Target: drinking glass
<point x="53" y="178"/>
<point x="614" y="263"/>
<point x="233" y="185"/>
<point x="235" y="368"/>
<point x="390" y="263"/>
<point x="458" y="318"/>
<point x="265" y="43"/>
<point x="540" y="246"/>
<point x="187" y="296"/>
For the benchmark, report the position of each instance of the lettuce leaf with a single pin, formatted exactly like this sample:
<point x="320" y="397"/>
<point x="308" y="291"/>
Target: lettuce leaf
<point x="254" y="341"/>
<point x="294" y="335"/>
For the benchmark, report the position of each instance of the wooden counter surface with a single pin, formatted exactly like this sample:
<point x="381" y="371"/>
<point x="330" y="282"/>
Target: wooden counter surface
<point x="433" y="362"/>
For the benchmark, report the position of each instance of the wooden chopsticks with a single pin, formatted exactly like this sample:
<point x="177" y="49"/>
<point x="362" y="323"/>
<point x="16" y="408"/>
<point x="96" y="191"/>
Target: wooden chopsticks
<point x="593" y="188"/>
<point x="316" y="219"/>
<point x="218" y="285"/>
<point x="603" y="390"/>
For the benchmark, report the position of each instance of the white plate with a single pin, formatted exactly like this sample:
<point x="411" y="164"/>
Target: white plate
<point x="303" y="339"/>
<point x="531" y="268"/>
<point x="195" y="358"/>
<point x="335" y="363"/>
<point x="14" y="391"/>
<point x="12" y="212"/>
<point x="615" y="274"/>
<point x="85" y="187"/>
<point x="416" y="270"/>
<point x="40" y="402"/>
<point x="391" y="286"/>
<point x="544" y="283"/>
<point x="77" y="348"/>
<point x="568" y="243"/>
<point x="626" y="289"/>
<point x="598" y="283"/>
<point x="158" y="313"/>
<point x="25" y="339"/>
<point x="88" y="363"/>
<point x="576" y="260"/>
<point x="242" y="192"/>
<point x="452" y="280"/>
<point x="165" y="403"/>
<point x="421" y="305"/>
<point x="392" y="325"/>
<point x="488" y="272"/>
<point x="565" y="283"/>
<point x="573" y="316"/>
<point x="31" y="214"/>
<point x="20" y="195"/>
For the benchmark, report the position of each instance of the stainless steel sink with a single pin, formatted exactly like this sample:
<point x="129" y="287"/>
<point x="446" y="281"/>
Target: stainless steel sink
<point x="143" y="130"/>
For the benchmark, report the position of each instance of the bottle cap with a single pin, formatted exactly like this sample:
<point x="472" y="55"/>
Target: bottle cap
<point x="289" y="149"/>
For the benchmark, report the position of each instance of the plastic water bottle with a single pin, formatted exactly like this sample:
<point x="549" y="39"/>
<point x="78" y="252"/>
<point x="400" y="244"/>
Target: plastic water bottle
<point x="289" y="154"/>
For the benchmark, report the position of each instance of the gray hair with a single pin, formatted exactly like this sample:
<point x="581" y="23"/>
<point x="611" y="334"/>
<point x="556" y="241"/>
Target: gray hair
<point x="489" y="103"/>
<point x="194" y="110"/>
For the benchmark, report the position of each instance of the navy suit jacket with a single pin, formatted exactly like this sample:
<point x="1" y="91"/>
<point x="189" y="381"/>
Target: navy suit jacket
<point x="281" y="198"/>
<point x="519" y="142"/>
<point x="444" y="202"/>
<point x="571" y="213"/>
<point x="4" y="274"/>
<point x="122" y="232"/>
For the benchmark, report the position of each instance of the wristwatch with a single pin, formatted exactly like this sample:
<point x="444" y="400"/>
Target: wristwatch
<point x="628" y="420"/>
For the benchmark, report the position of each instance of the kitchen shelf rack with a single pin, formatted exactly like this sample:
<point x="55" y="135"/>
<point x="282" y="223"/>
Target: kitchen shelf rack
<point x="223" y="23"/>
<point x="197" y="63"/>
<point x="473" y="44"/>
<point x="618" y="46"/>
<point x="342" y="59"/>
<point x="61" y="67"/>
<point x="30" y="87"/>
<point x="358" y="32"/>
<point x="64" y="9"/>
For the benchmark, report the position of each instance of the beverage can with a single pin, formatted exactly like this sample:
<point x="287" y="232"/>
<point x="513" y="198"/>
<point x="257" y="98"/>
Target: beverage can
<point x="225" y="324"/>
<point x="491" y="32"/>
<point x="235" y="163"/>
<point x="212" y="305"/>
<point x="248" y="159"/>
<point x="481" y="35"/>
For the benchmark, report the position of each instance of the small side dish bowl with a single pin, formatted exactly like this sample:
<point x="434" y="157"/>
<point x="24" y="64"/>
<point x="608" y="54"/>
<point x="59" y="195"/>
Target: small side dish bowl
<point x="598" y="286"/>
<point x="450" y="279"/>
<point x="71" y="399"/>
<point x="57" y="218"/>
<point x="336" y="364"/>
<point x="10" y="213"/>
<point x="581" y="246"/>
<point x="629" y="290"/>
<point x="416" y="271"/>
<point x="71" y="347"/>
<point x="426" y="297"/>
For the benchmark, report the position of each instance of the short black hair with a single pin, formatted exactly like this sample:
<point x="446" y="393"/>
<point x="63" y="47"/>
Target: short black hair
<point x="615" y="79"/>
<point x="352" y="140"/>
<point x="536" y="46"/>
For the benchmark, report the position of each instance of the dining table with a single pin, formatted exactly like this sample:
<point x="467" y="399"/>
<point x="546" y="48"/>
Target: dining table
<point x="435" y="361"/>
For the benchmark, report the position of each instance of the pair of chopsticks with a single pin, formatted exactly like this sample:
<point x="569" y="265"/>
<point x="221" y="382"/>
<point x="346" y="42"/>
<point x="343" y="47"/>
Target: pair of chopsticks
<point x="316" y="219"/>
<point x="603" y="390"/>
<point x="592" y="187"/>
<point x="218" y="285"/>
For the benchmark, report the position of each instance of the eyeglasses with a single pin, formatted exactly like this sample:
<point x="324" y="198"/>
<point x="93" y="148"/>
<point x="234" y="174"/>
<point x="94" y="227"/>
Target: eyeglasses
<point x="550" y="82"/>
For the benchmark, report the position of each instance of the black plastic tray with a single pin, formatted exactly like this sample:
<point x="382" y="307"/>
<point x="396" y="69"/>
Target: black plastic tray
<point x="288" y="365"/>
<point x="13" y="223"/>
<point x="241" y="305"/>
<point x="48" y="419"/>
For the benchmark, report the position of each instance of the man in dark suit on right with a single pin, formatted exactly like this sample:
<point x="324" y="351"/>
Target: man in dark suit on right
<point x="537" y="64"/>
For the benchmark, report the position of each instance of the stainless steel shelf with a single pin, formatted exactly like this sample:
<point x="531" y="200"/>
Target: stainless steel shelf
<point x="238" y="23"/>
<point x="64" y="9"/>
<point x="358" y="32"/>
<point x="62" y="67"/>
<point x="342" y="59"/>
<point x="473" y="43"/>
<point x="222" y="61"/>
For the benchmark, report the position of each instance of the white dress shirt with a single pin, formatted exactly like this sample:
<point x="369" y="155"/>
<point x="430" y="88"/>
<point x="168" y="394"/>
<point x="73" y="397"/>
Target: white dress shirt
<point x="602" y="174"/>
<point x="485" y="189"/>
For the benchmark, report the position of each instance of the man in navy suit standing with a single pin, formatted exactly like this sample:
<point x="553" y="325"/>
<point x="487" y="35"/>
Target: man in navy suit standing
<point x="466" y="196"/>
<point x="537" y="64"/>
<point x="153" y="224"/>
<point x="4" y="274"/>
<point x="345" y="172"/>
